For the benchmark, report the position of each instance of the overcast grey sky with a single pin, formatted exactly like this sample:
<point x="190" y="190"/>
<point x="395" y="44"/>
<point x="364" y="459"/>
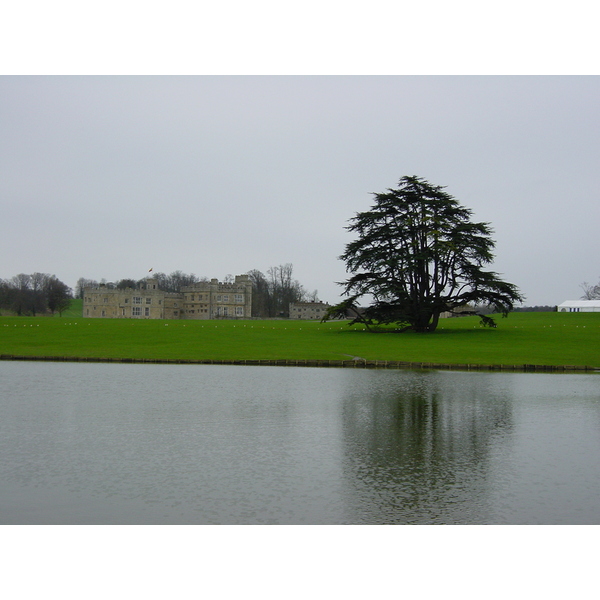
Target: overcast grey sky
<point x="107" y="177"/>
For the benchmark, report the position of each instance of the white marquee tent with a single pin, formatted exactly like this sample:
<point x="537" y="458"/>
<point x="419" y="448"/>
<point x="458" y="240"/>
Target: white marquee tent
<point x="579" y="306"/>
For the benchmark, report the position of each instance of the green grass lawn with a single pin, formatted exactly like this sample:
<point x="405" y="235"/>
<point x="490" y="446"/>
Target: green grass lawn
<point x="75" y="310"/>
<point x="555" y="339"/>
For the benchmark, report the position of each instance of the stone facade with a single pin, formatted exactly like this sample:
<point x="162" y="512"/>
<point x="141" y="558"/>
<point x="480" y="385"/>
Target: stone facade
<point x="308" y="310"/>
<point x="203" y="300"/>
<point x="217" y="300"/>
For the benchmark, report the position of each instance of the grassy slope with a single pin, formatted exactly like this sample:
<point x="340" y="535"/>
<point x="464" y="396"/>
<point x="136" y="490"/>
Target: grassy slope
<point x="74" y="310"/>
<point x="523" y="338"/>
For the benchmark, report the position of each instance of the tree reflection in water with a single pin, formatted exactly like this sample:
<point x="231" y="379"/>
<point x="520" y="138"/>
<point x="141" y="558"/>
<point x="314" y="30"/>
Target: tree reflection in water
<point x="418" y="451"/>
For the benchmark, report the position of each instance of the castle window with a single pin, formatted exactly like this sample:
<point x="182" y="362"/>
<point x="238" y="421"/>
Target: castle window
<point x="147" y="311"/>
<point x="239" y="298"/>
<point x="239" y="311"/>
<point x="136" y="311"/>
<point x="105" y="300"/>
<point x="148" y="300"/>
<point x="103" y="313"/>
<point x="126" y="300"/>
<point x="137" y="300"/>
<point x="225" y="298"/>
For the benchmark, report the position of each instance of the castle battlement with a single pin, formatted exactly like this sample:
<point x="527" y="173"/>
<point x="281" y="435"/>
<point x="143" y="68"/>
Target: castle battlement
<point x="202" y="300"/>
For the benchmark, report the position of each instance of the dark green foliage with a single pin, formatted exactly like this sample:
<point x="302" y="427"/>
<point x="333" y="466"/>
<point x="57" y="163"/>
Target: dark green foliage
<point x="58" y="296"/>
<point x="123" y="284"/>
<point x="38" y="293"/>
<point x="417" y="255"/>
<point x="543" y="308"/>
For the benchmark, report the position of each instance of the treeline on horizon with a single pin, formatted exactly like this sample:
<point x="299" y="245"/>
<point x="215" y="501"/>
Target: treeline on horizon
<point x="544" y="308"/>
<point x="42" y="293"/>
<point x="271" y="293"/>
<point x="34" y="294"/>
<point x="541" y="308"/>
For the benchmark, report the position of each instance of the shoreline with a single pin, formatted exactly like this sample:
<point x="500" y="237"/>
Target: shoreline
<point x="353" y="364"/>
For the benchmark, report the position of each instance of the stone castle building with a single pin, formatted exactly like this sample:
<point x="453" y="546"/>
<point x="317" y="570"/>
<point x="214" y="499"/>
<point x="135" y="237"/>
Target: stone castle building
<point x="204" y="300"/>
<point x="308" y="310"/>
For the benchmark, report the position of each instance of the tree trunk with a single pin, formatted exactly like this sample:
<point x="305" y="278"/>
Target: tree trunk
<point x="422" y="322"/>
<point x="434" y="321"/>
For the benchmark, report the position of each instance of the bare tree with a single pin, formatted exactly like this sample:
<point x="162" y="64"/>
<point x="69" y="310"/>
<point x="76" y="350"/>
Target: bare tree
<point x="81" y="284"/>
<point x="271" y="295"/>
<point x="285" y="289"/>
<point x="21" y="286"/>
<point x="178" y="280"/>
<point x="38" y="301"/>
<point x="590" y="292"/>
<point x="123" y="284"/>
<point x="260" y="294"/>
<point x="168" y="283"/>
<point x="161" y="279"/>
<point x="6" y="294"/>
<point x="34" y="294"/>
<point x="175" y="281"/>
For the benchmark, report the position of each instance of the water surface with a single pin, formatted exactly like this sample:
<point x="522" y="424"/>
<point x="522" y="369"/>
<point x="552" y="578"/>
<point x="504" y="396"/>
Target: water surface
<point x="201" y="444"/>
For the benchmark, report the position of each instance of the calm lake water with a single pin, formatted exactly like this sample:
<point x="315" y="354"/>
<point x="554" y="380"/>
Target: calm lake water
<point x="200" y="444"/>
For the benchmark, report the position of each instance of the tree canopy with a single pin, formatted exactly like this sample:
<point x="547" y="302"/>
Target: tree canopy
<point x="38" y="293"/>
<point x="418" y="254"/>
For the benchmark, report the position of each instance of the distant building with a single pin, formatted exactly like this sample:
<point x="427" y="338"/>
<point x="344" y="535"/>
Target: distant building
<point x="308" y="310"/>
<point x="579" y="306"/>
<point x="216" y="300"/>
<point x="459" y="311"/>
<point x="204" y="300"/>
